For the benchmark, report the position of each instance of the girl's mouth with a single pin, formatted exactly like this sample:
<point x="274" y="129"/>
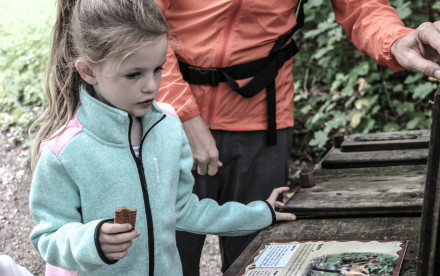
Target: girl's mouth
<point x="146" y="103"/>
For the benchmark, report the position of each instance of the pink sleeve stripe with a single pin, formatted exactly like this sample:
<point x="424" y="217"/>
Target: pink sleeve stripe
<point x="57" y="144"/>
<point x="56" y="271"/>
<point x="168" y="109"/>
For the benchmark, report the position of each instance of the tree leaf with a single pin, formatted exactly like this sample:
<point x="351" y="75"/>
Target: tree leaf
<point x="320" y="139"/>
<point x="422" y="90"/>
<point x="356" y="119"/>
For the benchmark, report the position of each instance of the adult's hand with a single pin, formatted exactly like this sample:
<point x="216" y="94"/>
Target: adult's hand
<point x="420" y="49"/>
<point x="203" y="147"/>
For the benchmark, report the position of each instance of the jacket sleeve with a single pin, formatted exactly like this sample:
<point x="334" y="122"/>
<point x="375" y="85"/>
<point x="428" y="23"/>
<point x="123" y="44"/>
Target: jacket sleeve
<point x="206" y="216"/>
<point x="59" y="234"/>
<point x="174" y="90"/>
<point x="373" y="26"/>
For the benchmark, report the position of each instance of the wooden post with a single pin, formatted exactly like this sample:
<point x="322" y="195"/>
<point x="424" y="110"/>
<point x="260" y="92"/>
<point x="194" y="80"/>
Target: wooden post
<point x="337" y="140"/>
<point x="307" y="179"/>
<point x="429" y="241"/>
<point x="429" y="4"/>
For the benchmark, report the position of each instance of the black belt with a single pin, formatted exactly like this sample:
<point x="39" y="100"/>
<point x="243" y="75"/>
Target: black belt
<point x="263" y="72"/>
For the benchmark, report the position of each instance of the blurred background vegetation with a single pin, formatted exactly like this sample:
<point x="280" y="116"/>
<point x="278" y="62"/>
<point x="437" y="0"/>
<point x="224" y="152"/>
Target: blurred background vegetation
<point x="25" y="27"/>
<point x="338" y="90"/>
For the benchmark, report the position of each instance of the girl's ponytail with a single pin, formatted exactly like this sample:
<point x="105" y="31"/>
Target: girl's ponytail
<point x="61" y="80"/>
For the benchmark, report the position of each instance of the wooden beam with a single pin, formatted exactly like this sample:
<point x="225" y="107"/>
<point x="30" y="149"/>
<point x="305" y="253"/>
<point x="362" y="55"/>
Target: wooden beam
<point x="429" y="249"/>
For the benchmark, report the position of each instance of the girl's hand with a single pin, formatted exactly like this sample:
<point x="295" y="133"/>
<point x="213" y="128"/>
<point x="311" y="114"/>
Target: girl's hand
<point x="115" y="239"/>
<point x="277" y="204"/>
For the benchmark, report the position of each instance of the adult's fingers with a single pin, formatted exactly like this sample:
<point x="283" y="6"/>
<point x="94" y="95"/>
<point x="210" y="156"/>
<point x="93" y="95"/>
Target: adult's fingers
<point x="429" y="34"/>
<point x="420" y="49"/>
<point x="203" y="146"/>
<point x="213" y="167"/>
<point x="208" y="164"/>
<point x="425" y="66"/>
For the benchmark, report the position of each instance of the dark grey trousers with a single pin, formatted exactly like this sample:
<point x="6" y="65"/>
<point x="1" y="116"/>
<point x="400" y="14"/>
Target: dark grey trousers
<point x="251" y="170"/>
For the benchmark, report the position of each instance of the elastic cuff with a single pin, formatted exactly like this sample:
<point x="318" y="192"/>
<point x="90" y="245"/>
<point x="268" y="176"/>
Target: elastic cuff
<point x="187" y="116"/>
<point x="391" y="61"/>
<point x="272" y="211"/>
<point x="98" y="245"/>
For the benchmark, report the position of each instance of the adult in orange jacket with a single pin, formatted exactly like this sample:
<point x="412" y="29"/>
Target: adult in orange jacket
<point x="222" y="124"/>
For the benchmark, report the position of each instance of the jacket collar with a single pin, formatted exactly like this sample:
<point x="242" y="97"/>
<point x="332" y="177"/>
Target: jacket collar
<point x="111" y="124"/>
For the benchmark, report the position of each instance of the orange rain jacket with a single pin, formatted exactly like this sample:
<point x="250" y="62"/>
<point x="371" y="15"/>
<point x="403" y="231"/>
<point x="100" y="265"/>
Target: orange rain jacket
<point x="221" y="33"/>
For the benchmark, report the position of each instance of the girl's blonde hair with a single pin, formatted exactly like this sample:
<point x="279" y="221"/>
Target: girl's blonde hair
<point x="96" y="31"/>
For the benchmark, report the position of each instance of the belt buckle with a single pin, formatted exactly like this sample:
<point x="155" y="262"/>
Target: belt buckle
<point x="213" y="76"/>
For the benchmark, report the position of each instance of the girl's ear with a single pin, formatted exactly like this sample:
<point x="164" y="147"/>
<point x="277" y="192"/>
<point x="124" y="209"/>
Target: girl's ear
<point x="85" y="69"/>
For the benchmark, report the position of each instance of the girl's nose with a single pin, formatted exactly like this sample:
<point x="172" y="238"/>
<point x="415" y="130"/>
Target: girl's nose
<point x="149" y="85"/>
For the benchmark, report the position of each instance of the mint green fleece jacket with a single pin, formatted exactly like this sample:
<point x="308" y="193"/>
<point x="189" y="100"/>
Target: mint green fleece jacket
<point x="90" y="170"/>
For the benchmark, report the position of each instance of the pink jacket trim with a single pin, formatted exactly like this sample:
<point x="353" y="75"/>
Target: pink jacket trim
<point x="168" y="108"/>
<point x="57" y="144"/>
<point x="56" y="271"/>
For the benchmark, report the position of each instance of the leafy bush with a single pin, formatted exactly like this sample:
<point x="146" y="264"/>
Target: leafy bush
<point x="339" y="90"/>
<point x="23" y="55"/>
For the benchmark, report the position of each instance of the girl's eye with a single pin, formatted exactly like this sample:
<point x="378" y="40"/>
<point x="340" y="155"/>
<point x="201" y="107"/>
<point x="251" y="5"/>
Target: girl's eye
<point x="134" y="75"/>
<point x="158" y="69"/>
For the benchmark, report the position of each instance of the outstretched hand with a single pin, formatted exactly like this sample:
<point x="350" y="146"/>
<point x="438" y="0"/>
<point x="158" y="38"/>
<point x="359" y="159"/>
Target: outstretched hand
<point x="420" y="49"/>
<point x="272" y="200"/>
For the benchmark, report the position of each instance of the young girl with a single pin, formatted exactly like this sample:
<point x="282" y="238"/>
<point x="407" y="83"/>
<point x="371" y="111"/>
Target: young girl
<point x="105" y="143"/>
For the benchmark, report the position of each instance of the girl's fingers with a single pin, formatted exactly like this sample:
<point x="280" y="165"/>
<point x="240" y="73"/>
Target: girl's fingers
<point x="279" y="204"/>
<point x="115" y="248"/>
<point x="116" y="256"/>
<point x="114" y="228"/>
<point x="118" y="238"/>
<point x="284" y="216"/>
<point x="273" y="196"/>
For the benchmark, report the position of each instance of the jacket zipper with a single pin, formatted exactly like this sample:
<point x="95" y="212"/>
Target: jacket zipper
<point x="140" y="169"/>
<point x="221" y="56"/>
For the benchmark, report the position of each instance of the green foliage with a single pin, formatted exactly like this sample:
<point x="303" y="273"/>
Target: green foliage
<point x="374" y="263"/>
<point x="339" y="90"/>
<point x="25" y="28"/>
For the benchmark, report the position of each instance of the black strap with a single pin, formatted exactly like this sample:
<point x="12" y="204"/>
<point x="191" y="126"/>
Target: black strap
<point x="263" y="72"/>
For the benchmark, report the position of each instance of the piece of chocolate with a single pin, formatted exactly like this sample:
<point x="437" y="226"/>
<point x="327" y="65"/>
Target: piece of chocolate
<point x="125" y="215"/>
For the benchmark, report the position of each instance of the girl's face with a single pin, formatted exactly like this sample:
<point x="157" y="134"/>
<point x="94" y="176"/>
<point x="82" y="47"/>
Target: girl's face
<point x="137" y="82"/>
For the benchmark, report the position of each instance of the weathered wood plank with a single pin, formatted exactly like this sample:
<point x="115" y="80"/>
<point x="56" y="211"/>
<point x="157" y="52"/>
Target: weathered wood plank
<point x="391" y="171"/>
<point x="335" y="158"/>
<point x="377" y="228"/>
<point x="360" y="192"/>
<point x="412" y="139"/>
